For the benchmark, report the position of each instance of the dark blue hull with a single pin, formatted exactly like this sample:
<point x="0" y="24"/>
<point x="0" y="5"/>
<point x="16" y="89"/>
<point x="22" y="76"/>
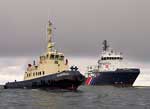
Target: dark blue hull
<point x="120" y="77"/>
<point x="69" y="80"/>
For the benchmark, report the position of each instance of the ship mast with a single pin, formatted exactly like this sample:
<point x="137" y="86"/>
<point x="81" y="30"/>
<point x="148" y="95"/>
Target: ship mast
<point x="50" y="44"/>
<point x="105" y="45"/>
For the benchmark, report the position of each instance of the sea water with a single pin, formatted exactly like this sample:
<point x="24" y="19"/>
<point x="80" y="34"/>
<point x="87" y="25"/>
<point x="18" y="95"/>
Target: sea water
<point x="86" y="97"/>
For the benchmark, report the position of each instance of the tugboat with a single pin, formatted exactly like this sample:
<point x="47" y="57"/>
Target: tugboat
<point x="51" y="72"/>
<point x="110" y="70"/>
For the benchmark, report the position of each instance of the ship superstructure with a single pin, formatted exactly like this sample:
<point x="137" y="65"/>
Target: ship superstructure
<point x="50" y="62"/>
<point x="111" y="70"/>
<point x="51" y="71"/>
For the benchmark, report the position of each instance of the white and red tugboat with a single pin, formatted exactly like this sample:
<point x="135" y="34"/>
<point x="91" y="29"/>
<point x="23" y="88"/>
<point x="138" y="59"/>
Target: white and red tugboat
<point x="110" y="71"/>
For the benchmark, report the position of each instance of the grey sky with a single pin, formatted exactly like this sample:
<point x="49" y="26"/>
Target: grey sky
<point x="81" y="25"/>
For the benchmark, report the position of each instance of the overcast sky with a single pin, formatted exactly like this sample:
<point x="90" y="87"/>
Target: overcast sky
<point x="81" y="26"/>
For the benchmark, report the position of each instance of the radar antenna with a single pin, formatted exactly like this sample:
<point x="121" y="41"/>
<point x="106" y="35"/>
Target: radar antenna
<point x="105" y="45"/>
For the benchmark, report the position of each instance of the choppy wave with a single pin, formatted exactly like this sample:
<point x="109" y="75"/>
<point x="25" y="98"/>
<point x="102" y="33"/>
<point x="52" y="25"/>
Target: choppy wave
<point x="88" y="97"/>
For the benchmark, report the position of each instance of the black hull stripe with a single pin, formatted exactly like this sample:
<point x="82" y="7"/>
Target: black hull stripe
<point x="64" y="80"/>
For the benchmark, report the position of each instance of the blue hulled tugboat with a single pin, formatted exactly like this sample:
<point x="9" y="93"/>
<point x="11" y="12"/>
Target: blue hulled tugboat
<point x="51" y="72"/>
<point x="110" y="70"/>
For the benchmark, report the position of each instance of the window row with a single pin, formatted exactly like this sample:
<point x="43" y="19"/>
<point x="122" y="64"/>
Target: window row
<point x="52" y="56"/>
<point x="35" y="74"/>
<point x="111" y="58"/>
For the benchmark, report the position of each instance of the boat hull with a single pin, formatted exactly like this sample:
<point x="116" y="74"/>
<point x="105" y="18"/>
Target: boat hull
<point x="120" y="77"/>
<point x="69" y="80"/>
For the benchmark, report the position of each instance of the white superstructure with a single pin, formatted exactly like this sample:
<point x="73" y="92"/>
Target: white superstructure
<point x="110" y="60"/>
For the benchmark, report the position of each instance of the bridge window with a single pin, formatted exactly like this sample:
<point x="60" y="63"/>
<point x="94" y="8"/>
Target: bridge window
<point x="61" y="58"/>
<point x="56" y="56"/>
<point x="104" y="58"/>
<point x="52" y="56"/>
<point x="43" y="72"/>
<point x="47" y="56"/>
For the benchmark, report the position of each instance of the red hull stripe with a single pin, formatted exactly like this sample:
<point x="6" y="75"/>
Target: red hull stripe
<point x="88" y="81"/>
